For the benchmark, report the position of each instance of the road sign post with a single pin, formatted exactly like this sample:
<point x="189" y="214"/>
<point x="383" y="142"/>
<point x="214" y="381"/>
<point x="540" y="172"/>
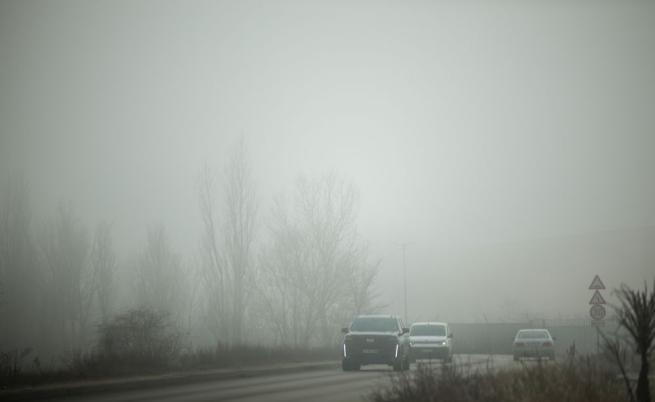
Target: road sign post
<point x="597" y="310"/>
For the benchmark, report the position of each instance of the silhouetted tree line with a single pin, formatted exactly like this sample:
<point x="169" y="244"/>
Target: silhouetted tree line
<point x="57" y="279"/>
<point x="289" y="277"/>
<point x="296" y="274"/>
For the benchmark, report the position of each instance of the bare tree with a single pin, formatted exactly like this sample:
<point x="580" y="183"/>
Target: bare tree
<point x="212" y="266"/>
<point x="103" y="261"/>
<point x="637" y="315"/>
<point x="227" y="245"/>
<point x="283" y="298"/>
<point x="316" y="273"/>
<point x="70" y="284"/>
<point x="240" y="217"/>
<point x="361" y="286"/>
<point x="161" y="283"/>
<point x="20" y="273"/>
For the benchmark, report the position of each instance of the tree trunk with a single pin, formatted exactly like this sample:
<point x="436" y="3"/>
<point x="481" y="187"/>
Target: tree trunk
<point x="237" y="310"/>
<point x="643" y="386"/>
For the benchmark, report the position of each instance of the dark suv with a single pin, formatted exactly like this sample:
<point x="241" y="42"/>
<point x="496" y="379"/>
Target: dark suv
<point x="376" y="339"/>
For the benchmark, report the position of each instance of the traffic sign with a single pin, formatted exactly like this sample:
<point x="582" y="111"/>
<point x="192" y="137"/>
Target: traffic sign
<point x="597" y="312"/>
<point x="597" y="298"/>
<point x="596" y="283"/>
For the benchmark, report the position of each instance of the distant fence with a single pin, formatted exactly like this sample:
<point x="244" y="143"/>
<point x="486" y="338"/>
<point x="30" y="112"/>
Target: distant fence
<point x="497" y="338"/>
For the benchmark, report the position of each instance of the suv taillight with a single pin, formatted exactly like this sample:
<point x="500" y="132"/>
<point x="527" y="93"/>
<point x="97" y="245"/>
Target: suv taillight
<point x="518" y="343"/>
<point x="548" y="343"/>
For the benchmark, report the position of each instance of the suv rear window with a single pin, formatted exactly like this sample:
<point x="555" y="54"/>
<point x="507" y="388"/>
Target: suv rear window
<point x="533" y="335"/>
<point x="374" y="324"/>
<point x="428" y="330"/>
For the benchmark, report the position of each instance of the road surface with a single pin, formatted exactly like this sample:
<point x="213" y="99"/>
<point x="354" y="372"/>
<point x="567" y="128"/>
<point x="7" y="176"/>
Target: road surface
<point x="315" y="386"/>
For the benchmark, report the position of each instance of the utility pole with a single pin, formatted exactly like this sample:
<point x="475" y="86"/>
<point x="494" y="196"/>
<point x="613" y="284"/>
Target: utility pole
<point x="404" y="246"/>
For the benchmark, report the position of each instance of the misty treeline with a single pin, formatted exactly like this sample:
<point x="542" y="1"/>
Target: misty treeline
<point x="288" y="274"/>
<point x="294" y="275"/>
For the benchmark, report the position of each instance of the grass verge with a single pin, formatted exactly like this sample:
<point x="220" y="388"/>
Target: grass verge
<point x="584" y="379"/>
<point x="93" y="365"/>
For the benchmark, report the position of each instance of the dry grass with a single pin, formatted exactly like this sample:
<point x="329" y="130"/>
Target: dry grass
<point x="246" y="355"/>
<point x="145" y="341"/>
<point x="16" y="373"/>
<point x="581" y="380"/>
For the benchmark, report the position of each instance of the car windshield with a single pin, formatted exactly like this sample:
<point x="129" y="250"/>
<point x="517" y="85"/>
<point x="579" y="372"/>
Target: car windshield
<point x="374" y="324"/>
<point x="428" y="330"/>
<point x="533" y="335"/>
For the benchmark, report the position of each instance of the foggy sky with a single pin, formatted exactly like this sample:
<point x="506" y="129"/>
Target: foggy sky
<point x="489" y="136"/>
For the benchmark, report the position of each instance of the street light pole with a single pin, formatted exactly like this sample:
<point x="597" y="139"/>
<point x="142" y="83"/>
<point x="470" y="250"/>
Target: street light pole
<point x="404" y="246"/>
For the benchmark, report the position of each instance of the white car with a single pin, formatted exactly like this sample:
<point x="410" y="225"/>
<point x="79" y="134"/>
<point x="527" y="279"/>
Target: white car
<point x="431" y="340"/>
<point x="534" y="343"/>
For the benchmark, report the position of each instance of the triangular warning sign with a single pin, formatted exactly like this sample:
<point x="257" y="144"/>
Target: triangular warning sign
<point x="596" y="283"/>
<point x="597" y="298"/>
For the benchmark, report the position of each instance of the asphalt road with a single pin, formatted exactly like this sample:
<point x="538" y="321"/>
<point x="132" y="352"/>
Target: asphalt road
<point x="316" y="386"/>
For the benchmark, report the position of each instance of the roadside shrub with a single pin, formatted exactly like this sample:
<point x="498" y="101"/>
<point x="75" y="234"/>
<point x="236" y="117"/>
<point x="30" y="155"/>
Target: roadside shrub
<point x="223" y="355"/>
<point x="139" y="340"/>
<point x="637" y="315"/>
<point x="582" y="380"/>
<point x="11" y="365"/>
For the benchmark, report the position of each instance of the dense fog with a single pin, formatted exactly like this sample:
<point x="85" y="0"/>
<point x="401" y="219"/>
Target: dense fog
<point x="254" y="168"/>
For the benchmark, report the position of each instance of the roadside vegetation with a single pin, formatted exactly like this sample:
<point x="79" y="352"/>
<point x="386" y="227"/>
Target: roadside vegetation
<point x="584" y="379"/>
<point x="636" y="317"/>
<point x="604" y="377"/>
<point x="265" y="280"/>
<point x="142" y="342"/>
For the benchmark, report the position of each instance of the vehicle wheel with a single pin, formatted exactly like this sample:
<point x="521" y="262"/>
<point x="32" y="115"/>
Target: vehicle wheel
<point x="516" y="358"/>
<point x="345" y="365"/>
<point x="349" y="365"/>
<point x="448" y="359"/>
<point x="406" y="364"/>
<point x="398" y="365"/>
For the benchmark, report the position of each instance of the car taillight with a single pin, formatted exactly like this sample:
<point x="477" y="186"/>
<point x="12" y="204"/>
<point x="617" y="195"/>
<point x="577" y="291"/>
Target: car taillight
<point x="518" y="343"/>
<point x="547" y="344"/>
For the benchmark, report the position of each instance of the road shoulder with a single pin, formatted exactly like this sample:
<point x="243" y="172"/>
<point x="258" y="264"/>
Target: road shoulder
<point x="80" y="388"/>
